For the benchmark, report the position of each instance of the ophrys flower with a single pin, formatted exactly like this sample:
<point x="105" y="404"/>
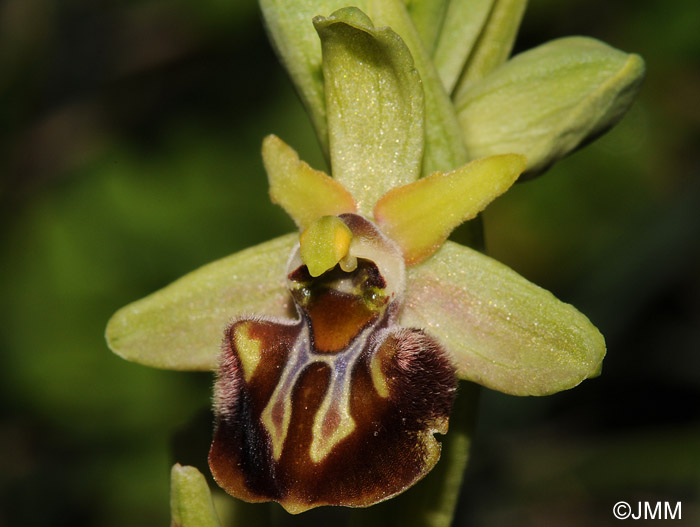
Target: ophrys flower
<point x="338" y="405"/>
<point x="342" y="343"/>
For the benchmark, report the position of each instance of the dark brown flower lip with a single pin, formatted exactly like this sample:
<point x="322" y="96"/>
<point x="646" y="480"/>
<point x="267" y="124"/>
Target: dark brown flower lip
<point x="397" y="394"/>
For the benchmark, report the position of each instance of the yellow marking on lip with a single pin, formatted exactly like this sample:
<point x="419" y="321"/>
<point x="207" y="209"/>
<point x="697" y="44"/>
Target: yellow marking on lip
<point x="323" y="442"/>
<point x="248" y="350"/>
<point x="378" y="377"/>
<point x="333" y="421"/>
<point x="278" y="403"/>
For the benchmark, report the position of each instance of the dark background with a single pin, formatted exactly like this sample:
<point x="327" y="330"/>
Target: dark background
<point x="129" y="155"/>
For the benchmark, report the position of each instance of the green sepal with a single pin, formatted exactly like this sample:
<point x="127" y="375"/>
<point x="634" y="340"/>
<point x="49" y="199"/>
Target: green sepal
<point x="547" y="101"/>
<point x="494" y="44"/>
<point x="463" y="24"/>
<point x="190" y="499"/>
<point x="295" y="40"/>
<point x="181" y="326"/>
<point x="501" y="330"/>
<point x="374" y="103"/>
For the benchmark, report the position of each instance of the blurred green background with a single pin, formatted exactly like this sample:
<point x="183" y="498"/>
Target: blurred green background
<point x="129" y="155"/>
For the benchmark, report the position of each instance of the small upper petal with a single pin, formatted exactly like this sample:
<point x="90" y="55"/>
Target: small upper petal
<point x="305" y="193"/>
<point x="421" y="215"/>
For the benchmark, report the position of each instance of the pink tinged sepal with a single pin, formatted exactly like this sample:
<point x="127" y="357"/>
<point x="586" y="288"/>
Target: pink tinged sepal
<point x="500" y="330"/>
<point x="339" y="406"/>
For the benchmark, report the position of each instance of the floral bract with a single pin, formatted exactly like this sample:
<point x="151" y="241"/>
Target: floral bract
<point x="343" y="343"/>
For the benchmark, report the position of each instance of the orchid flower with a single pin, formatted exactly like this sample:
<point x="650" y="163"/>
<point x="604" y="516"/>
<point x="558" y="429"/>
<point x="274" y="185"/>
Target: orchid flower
<point x="338" y="347"/>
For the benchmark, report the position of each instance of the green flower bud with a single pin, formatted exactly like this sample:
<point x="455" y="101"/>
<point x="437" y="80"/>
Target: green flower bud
<point x="190" y="499"/>
<point x="546" y="102"/>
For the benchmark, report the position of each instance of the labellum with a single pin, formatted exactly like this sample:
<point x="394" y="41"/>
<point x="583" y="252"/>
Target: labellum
<point x="339" y="406"/>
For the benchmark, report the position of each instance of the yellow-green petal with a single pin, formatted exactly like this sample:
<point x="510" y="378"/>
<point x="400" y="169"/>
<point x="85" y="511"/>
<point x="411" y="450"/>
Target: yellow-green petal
<point x="324" y="243"/>
<point x="374" y="103"/>
<point x="501" y="330"/>
<point x="305" y="193"/>
<point x="190" y="499"/>
<point x="547" y="101"/>
<point x="420" y="216"/>
<point x="181" y="326"/>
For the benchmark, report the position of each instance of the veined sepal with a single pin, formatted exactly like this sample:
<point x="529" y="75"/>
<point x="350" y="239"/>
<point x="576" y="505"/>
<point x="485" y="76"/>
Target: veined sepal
<point x="179" y="327"/>
<point x="500" y="330"/>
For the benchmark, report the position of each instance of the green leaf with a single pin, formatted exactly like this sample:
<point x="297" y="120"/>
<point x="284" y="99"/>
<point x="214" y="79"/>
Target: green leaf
<point x="494" y="44"/>
<point x="304" y="193"/>
<point x="421" y="215"/>
<point x="444" y="148"/>
<point x="547" y="101"/>
<point x="463" y="24"/>
<point x="181" y="326"/>
<point x="428" y="16"/>
<point x="190" y="500"/>
<point x="374" y="101"/>
<point x="502" y="331"/>
<point x="295" y="40"/>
